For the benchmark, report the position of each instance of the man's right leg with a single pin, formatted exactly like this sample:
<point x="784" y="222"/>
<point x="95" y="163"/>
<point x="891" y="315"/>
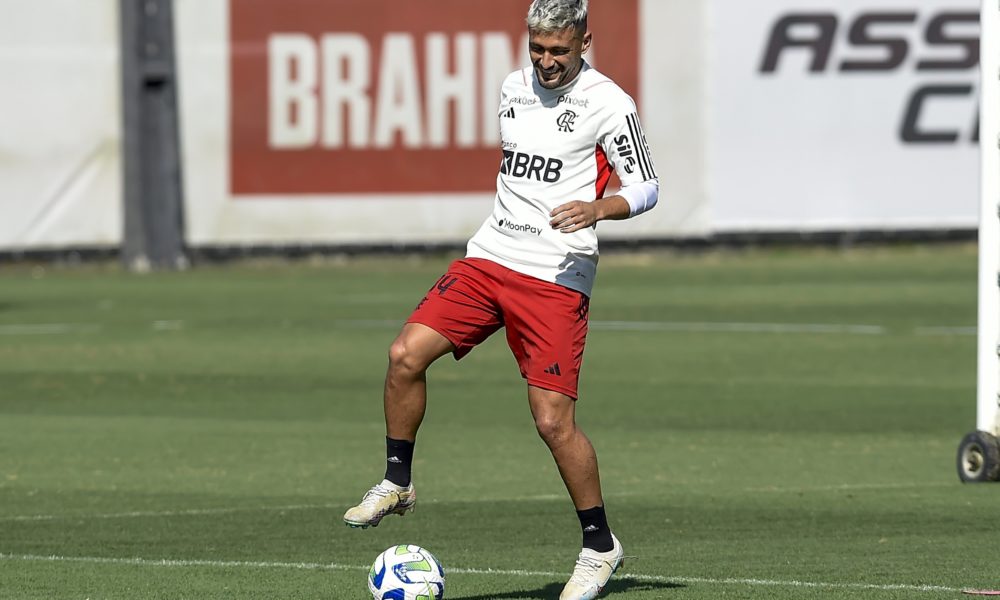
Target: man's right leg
<point x="404" y="401"/>
<point x="405" y="395"/>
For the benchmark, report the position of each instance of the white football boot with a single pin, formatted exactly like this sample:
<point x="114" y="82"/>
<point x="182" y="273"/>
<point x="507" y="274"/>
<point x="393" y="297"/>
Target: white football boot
<point x="592" y="572"/>
<point x="386" y="498"/>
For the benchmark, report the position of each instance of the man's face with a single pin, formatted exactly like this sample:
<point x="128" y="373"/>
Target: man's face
<point x="557" y="56"/>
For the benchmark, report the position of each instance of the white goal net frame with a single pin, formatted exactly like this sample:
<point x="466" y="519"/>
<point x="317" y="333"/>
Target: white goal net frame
<point x="988" y="350"/>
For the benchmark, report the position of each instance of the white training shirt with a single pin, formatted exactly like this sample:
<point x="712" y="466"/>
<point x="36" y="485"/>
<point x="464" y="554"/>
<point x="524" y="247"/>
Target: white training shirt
<point x="558" y="146"/>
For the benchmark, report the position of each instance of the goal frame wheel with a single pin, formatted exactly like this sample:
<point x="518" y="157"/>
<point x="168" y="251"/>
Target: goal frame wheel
<point x="978" y="457"/>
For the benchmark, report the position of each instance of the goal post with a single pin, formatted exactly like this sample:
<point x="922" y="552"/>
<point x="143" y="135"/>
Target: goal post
<point x="979" y="451"/>
<point x="988" y="351"/>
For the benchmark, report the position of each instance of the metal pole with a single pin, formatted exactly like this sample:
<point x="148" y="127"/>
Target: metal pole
<point x="154" y="223"/>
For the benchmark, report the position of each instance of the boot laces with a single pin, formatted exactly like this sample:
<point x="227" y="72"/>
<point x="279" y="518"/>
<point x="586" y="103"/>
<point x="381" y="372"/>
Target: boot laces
<point x="586" y="570"/>
<point x="374" y="495"/>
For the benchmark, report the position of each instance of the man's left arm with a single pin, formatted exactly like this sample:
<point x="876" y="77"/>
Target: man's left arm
<point x="626" y="149"/>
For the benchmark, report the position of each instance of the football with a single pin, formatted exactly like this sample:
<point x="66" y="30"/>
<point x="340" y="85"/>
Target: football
<point x="406" y="572"/>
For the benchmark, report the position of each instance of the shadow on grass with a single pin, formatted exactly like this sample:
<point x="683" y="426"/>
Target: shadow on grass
<point x="552" y="590"/>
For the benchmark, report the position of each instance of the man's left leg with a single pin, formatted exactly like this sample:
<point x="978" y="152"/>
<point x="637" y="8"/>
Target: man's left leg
<point x="555" y="419"/>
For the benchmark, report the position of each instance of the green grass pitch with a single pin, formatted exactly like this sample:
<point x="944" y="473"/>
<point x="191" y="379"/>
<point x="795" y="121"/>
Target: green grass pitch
<point x="770" y="424"/>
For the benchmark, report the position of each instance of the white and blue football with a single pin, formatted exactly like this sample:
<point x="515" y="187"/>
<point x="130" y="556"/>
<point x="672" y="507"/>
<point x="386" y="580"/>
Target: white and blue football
<point x="406" y="572"/>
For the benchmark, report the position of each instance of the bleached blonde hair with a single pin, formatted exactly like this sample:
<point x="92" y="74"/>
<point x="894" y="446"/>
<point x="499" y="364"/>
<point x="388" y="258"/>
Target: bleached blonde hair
<point x="548" y="16"/>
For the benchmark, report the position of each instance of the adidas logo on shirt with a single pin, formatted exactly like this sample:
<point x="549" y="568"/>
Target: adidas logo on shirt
<point x="508" y="114"/>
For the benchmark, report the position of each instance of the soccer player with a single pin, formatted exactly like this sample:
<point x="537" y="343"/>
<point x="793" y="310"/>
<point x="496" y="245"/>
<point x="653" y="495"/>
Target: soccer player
<point x="530" y="268"/>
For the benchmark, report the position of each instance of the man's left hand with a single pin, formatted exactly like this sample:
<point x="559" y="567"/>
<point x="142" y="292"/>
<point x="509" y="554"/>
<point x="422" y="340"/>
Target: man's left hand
<point x="574" y="216"/>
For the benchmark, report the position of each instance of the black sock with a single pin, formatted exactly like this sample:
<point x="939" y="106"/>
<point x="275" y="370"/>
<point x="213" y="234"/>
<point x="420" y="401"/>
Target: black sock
<point x="596" y="533"/>
<point x="398" y="460"/>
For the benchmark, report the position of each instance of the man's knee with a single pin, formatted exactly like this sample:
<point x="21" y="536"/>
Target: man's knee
<point x="415" y="349"/>
<point x="554" y="429"/>
<point x="404" y="358"/>
<point x="554" y="416"/>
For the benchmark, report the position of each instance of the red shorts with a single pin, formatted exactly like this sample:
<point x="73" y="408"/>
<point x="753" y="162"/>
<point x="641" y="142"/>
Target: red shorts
<point x="546" y="323"/>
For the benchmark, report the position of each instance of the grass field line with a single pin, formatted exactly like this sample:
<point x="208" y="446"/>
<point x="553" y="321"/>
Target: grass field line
<point x="853" y="487"/>
<point x="668" y="326"/>
<point x="238" y="509"/>
<point x="48" y="328"/>
<point x="714" y="327"/>
<point x="67" y="328"/>
<point x="169" y="513"/>
<point x="145" y="562"/>
<point x="735" y="327"/>
<point x="945" y="330"/>
<point x="679" y="326"/>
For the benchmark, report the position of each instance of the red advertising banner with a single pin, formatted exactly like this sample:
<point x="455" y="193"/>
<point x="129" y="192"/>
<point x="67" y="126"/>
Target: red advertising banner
<point x="385" y="96"/>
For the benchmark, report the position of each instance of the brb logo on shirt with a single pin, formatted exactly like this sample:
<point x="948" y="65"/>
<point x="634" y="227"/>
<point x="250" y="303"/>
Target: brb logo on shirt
<point x="531" y="166"/>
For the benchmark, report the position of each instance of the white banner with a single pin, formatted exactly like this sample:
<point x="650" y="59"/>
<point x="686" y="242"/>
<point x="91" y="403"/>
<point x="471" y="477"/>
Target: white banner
<point x="60" y="174"/>
<point x="843" y="115"/>
<point x="773" y="115"/>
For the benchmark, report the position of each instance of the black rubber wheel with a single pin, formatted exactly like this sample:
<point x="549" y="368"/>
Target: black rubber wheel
<point x="979" y="457"/>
